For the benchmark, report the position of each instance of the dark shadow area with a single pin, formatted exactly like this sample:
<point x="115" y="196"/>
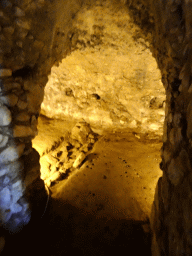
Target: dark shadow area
<point x="23" y="72"/>
<point x="65" y="229"/>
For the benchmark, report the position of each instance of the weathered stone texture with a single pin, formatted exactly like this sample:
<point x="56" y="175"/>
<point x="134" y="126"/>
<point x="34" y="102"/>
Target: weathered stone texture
<point x="66" y="156"/>
<point x="28" y="49"/>
<point x="5" y="117"/>
<point x="18" y="178"/>
<point x="171" y="214"/>
<point x="104" y="80"/>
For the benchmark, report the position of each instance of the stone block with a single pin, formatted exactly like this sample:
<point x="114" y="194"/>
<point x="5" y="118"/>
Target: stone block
<point x="167" y="154"/>
<point x="11" y="86"/>
<point x="56" y="176"/>
<point x="5" y="216"/>
<point x="12" y="170"/>
<point x="35" y="98"/>
<point x="185" y="161"/>
<point x="3" y="172"/>
<point x="17" y="221"/>
<point x="6" y="180"/>
<point x="165" y="192"/>
<point x="5" y="198"/>
<point x="5" y="72"/>
<point x="85" y="148"/>
<point x="24" y="203"/>
<point x="9" y="100"/>
<point x="51" y="159"/>
<point x="23" y="131"/>
<point x="5" y="116"/>
<point x="79" y="160"/>
<point x="177" y="119"/>
<point x="63" y="158"/>
<point x="178" y="167"/>
<point x="175" y="172"/>
<point x="81" y="132"/>
<point x="7" y="31"/>
<point x="15" y="208"/>
<point x="22" y="117"/>
<point x="3" y="140"/>
<point x="17" y="191"/>
<point x="22" y="104"/>
<point x="175" y="136"/>
<point x="68" y="164"/>
<point x="19" y="12"/>
<point x="11" y="153"/>
<point x="23" y="24"/>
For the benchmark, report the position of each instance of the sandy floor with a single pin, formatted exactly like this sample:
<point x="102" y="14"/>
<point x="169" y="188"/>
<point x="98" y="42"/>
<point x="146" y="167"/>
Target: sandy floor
<point x="120" y="172"/>
<point x="104" y="205"/>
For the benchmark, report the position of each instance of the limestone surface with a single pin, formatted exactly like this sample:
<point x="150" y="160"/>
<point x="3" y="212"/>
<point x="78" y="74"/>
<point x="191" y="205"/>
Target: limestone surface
<point x="111" y="78"/>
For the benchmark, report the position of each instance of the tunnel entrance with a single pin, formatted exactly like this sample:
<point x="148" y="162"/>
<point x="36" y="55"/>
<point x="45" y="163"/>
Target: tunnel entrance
<point x="108" y="93"/>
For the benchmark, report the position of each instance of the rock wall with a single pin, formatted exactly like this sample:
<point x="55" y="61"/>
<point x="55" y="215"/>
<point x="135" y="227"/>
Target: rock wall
<point x="110" y="79"/>
<point x="65" y="156"/>
<point x="171" y="222"/>
<point x="19" y="163"/>
<point x="29" y="37"/>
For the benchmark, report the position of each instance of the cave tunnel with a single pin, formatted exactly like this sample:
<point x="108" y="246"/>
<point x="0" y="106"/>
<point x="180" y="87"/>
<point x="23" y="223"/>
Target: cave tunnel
<point x="95" y="120"/>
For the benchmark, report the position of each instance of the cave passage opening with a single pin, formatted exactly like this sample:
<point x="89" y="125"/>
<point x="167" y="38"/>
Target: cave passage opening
<point x="100" y="128"/>
<point x="101" y="123"/>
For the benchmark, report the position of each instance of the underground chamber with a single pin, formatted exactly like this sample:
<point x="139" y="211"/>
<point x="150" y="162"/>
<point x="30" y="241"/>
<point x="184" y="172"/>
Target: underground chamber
<point x="104" y="103"/>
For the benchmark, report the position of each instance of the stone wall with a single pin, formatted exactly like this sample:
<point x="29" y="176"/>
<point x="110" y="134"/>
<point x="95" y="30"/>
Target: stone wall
<point x="29" y="37"/>
<point x="19" y="163"/>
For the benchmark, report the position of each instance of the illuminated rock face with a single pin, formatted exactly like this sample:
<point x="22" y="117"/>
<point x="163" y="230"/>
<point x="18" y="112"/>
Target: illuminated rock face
<point x="30" y="46"/>
<point x="111" y="79"/>
<point x="61" y="160"/>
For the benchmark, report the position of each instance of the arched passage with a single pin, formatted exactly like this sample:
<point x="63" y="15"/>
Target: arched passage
<point x="26" y="58"/>
<point x="113" y="84"/>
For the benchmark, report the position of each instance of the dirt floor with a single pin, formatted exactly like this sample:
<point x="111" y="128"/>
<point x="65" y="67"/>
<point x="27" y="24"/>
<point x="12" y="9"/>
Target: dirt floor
<point x="102" y="207"/>
<point x="105" y="204"/>
<point x="121" y="170"/>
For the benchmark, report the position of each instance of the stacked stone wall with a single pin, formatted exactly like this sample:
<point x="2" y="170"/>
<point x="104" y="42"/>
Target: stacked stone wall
<point x="33" y="36"/>
<point x="22" y="192"/>
<point x="19" y="163"/>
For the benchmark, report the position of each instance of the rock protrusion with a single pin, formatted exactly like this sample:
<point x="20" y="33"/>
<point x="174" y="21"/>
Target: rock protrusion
<point x="70" y="154"/>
